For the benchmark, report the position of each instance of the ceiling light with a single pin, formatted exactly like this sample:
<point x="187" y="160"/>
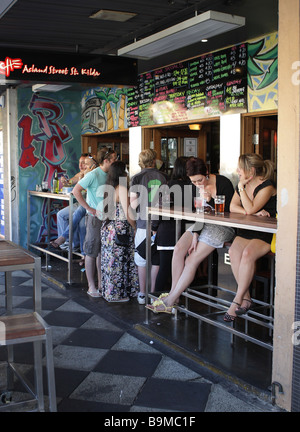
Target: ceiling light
<point x="195" y="127"/>
<point x="110" y="15"/>
<point x="5" y="6"/>
<point x="49" y="87"/>
<point x="202" y="26"/>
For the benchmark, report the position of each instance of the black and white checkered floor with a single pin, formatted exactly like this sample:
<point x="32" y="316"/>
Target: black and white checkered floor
<point x="104" y="364"/>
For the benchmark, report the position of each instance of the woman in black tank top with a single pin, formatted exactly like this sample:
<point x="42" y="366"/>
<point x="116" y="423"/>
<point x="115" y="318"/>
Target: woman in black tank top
<point x="256" y="195"/>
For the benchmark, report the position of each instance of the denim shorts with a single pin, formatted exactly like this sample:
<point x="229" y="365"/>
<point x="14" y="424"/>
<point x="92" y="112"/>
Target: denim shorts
<point x="92" y="242"/>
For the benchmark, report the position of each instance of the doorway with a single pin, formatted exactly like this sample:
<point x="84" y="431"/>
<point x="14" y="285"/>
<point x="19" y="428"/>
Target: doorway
<point x="260" y="136"/>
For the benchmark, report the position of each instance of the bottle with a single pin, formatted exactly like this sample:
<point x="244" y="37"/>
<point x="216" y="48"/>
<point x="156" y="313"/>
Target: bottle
<point x="55" y="183"/>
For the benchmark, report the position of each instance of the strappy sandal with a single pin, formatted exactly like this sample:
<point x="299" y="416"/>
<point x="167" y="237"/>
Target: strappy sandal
<point x="243" y="310"/>
<point x="228" y="317"/>
<point x="156" y="304"/>
<point x="94" y="294"/>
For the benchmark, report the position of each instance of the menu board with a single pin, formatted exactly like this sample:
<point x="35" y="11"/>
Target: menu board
<point x="209" y="85"/>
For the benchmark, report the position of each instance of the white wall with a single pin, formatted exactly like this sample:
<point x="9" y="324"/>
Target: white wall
<point x="230" y="145"/>
<point x="135" y="147"/>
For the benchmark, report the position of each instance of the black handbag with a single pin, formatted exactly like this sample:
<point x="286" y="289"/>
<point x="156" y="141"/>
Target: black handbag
<point x="122" y="239"/>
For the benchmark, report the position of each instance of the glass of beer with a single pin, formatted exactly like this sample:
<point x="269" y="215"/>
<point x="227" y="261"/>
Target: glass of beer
<point x="219" y="204"/>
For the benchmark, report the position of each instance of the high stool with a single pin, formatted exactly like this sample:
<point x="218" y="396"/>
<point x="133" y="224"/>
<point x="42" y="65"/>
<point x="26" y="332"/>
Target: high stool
<point x="23" y="328"/>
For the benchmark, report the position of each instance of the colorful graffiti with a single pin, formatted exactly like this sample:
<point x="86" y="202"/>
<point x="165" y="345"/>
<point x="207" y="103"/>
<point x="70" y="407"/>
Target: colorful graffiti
<point x="263" y="73"/>
<point x="52" y="136"/>
<point x="103" y="109"/>
<point x="43" y="139"/>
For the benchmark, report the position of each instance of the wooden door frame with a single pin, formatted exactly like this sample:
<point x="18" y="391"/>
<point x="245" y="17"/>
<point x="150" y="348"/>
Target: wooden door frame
<point x="250" y="126"/>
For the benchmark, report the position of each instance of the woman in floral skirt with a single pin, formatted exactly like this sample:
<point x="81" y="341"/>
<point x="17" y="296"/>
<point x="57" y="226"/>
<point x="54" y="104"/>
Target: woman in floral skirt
<point x="118" y="270"/>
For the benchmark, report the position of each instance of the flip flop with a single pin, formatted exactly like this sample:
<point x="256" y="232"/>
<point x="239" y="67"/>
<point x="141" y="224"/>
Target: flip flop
<point x="121" y="300"/>
<point x="94" y="294"/>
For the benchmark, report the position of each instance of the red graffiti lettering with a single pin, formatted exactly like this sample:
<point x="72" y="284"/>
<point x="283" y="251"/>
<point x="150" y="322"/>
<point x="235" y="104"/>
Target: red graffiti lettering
<point x="27" y="157"/>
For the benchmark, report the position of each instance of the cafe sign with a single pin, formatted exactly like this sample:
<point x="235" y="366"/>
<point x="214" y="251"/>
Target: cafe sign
<point x="72" y="68"/>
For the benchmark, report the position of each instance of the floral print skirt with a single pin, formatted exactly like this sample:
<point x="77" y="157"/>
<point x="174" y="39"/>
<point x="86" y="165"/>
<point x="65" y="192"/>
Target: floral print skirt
<point x="118" y="271"/>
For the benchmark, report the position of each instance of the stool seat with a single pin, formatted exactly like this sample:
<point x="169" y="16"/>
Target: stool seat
<point x="21" y="329"/>
<point x="19" y="326"/>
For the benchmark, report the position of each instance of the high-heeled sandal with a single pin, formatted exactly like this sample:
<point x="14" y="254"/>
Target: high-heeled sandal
<point x="154" y="307"/>
<point x="228" y="317"/>
<point x="243" y="310"/>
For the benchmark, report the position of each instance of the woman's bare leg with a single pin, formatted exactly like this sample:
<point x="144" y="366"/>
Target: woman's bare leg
<point x="191" y="264"/>
<point x="253" y="250"/>
<point x="179" y="256"/>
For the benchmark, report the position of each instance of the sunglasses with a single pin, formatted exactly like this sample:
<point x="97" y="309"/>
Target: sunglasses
<point x="91" y="157"/>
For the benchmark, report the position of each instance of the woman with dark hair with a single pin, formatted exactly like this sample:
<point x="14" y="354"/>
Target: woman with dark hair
<point x="198" y="241"/>
<point x="181" y="186"/>
<point x="255" y="194"/>
<point x="118" y="271"/>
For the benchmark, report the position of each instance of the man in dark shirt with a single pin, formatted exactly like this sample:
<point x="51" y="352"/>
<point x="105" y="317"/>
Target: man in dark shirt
<point x="143" y="193"/>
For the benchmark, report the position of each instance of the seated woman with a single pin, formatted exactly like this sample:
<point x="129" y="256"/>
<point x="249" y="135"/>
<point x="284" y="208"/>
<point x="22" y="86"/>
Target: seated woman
<point x="118" y="271"/>
<point x="255" y="194"/>
<point x="198" y="245"/>
<point x="78" y="222"/>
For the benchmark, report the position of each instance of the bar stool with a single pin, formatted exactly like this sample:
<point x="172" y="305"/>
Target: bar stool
<point x="24" y="328"/>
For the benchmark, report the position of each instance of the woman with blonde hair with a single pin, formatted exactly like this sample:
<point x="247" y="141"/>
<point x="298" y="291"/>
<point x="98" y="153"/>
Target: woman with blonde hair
<point x="255" y="194"/>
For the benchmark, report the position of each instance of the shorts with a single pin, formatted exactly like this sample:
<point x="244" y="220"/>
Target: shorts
<point x="92" y="242"/>
<point x="215" y="235"/>
<point x="139" y="258"/>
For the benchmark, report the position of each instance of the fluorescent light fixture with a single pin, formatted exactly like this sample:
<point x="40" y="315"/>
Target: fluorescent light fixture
<point x="5" y="5"/>
<point x="111" y="15"/>
<point x="49" y="87"/>
<point x="203" y="26"/>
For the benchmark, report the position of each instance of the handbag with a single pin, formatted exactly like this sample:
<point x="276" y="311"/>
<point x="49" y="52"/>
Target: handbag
<point x="122" y="239"/>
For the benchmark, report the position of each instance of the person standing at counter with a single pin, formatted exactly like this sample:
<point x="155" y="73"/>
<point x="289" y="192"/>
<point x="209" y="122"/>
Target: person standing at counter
<point x="198" y="244"/>
<point x="144" y="192"/>
<point x="92" y="243"/>
<point x="166" y="229"/>
<point x="255" y="194"/>
<point x="118" y="270"/>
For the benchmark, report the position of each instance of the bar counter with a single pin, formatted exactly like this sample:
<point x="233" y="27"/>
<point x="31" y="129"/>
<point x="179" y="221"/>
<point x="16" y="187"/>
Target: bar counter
<point x="52" y="196"/>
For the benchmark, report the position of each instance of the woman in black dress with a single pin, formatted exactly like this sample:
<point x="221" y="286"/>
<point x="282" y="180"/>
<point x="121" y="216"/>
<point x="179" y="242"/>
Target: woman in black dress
<point x="255" y="194"/>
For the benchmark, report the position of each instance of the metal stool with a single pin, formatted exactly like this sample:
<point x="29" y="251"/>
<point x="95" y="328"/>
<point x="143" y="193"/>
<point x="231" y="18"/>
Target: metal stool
<point x="23" y="328"/>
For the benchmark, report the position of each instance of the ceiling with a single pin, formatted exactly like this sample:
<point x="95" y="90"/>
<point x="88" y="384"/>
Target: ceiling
<point x="65" y="26"/>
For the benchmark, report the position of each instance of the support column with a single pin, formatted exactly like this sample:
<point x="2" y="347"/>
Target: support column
<point x="288" y="197"/>
<point x="11" y="174"/>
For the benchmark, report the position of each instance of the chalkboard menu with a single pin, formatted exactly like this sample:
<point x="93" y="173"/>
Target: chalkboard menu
<point x="209" y="85"/>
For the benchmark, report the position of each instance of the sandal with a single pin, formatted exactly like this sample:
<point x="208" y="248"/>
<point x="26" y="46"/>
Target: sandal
<point x="156" y="304"/>
<point x="243" y="310"/>
<point x="54" y="244"/>
<point x="118" y="300"/>
<point x="228" y="317"/>
<point x="94" y="294"/>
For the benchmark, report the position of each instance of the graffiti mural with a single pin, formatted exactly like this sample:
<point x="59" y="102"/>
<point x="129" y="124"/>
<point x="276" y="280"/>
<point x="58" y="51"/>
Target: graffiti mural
<point x="263" y="73"/>
<point x="47" y="129"/>
<point x="103" y="109"/>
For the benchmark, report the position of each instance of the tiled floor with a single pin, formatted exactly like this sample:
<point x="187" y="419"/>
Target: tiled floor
<point x="103" y="363"/>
